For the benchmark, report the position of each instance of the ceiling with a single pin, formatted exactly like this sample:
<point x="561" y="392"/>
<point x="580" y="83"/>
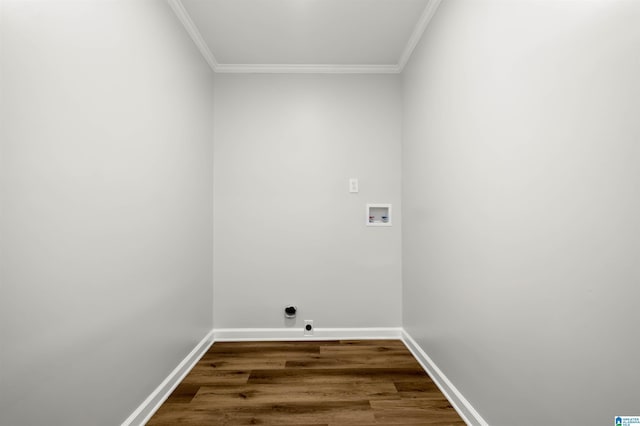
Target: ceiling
<point x="335" y="36"/>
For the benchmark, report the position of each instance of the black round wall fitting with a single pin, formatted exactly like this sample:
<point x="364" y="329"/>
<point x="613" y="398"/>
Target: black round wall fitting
<point x="290" y="311"/>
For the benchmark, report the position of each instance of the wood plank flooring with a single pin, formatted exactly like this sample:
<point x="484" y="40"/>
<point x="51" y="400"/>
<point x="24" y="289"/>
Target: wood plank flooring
<point x="324" y="383"/>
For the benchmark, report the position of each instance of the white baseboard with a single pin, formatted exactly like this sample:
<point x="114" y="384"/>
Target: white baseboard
<point x="457" y="400"/>
<point x="150" y="405"/>
<point x="296" y="334"/>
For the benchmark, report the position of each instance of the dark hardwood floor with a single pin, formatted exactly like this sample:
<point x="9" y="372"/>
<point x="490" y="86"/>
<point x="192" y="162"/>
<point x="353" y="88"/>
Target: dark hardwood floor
<point x="320" y="383"/>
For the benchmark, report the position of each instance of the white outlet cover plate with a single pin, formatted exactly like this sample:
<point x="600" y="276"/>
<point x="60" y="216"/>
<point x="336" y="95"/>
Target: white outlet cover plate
<point x="308" y="332"/>
<point x="353" y="185"/>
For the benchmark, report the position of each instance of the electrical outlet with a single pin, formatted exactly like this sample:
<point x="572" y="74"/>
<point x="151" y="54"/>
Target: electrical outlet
<point x="308" y="327"/>
<point x="353" y="185"/>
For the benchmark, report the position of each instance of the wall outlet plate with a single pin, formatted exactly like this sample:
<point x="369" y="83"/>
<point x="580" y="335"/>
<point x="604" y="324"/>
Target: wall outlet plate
<point x="353" y="185"/>
<point x="308" y="327"/>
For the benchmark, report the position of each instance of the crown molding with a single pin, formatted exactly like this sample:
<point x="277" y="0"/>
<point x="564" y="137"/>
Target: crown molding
<point x="307" y="69"/>
<point x="192" y="30"/>
<point x="183" y="16"/>
<point x="428" y="12"/>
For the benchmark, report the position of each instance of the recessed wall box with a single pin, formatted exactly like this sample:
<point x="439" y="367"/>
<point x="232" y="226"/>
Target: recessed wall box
<point x="378" y="215"/>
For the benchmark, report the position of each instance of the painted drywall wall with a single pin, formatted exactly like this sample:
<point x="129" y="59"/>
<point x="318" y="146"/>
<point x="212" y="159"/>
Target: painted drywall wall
<point x="287" y="230"/>
<point x="521" y="203"/>
<point x="106" y="191"/>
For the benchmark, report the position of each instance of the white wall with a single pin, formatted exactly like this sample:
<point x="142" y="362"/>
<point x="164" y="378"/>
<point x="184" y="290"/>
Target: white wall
<point x="106" y="205"/>
<point x="521" y="203"/>
<point x="286" y="228"/>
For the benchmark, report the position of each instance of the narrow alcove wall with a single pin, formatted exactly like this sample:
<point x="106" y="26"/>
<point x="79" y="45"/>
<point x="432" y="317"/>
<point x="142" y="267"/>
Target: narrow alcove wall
<point x="106" y="198"/>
